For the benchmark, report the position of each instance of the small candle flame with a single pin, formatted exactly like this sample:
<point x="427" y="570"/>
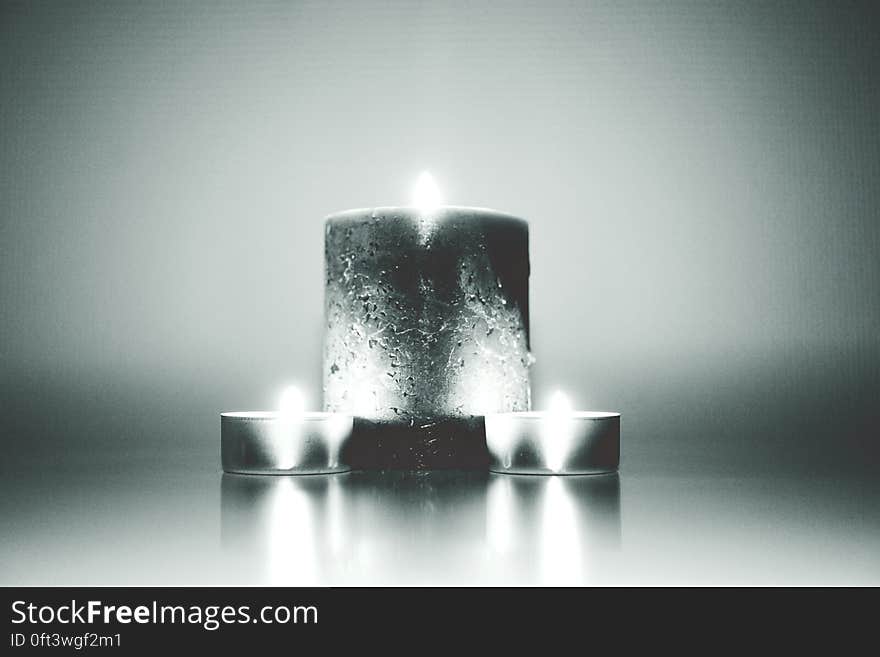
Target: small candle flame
<point x="292" y="404"/>
<point x="426" y="195"/>
<point x="560" y="404"/>
<point x="558" y="430"/>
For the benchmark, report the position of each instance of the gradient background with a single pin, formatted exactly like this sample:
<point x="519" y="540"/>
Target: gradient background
<point x="702" y="181"/>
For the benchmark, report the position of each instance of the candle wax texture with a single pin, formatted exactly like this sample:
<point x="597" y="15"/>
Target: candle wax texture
<point x="426" y="315"/>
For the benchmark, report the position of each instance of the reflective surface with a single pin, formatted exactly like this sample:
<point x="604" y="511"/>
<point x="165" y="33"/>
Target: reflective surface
<point x="444" y="528"/>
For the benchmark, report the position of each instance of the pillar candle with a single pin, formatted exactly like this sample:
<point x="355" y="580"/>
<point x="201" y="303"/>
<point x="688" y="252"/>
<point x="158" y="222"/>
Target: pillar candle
<point x="427" y="328"/>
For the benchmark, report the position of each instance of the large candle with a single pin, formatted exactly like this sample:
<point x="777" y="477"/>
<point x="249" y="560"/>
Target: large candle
<point x="426" y="328"/>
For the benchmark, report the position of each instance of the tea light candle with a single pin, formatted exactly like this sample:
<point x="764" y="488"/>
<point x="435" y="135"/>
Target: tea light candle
<point x="557" y="441"/>
<point x="287" y="441"/>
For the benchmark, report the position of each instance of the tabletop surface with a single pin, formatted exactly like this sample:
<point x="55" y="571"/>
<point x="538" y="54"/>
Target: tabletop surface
<point x="184" y="526"/>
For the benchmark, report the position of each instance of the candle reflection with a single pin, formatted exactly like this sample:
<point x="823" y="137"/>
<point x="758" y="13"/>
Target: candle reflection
<point x="552" y="531"/>
<point x="440" y="527"/>
<point x="280" y="530"/>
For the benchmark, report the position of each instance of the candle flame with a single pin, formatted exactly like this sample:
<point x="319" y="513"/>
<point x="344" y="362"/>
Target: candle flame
<point x="558" y="430"/>
<point x="560" y="404"/>
<point x="426" y="195"/>
<point x="292" y="404"/>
